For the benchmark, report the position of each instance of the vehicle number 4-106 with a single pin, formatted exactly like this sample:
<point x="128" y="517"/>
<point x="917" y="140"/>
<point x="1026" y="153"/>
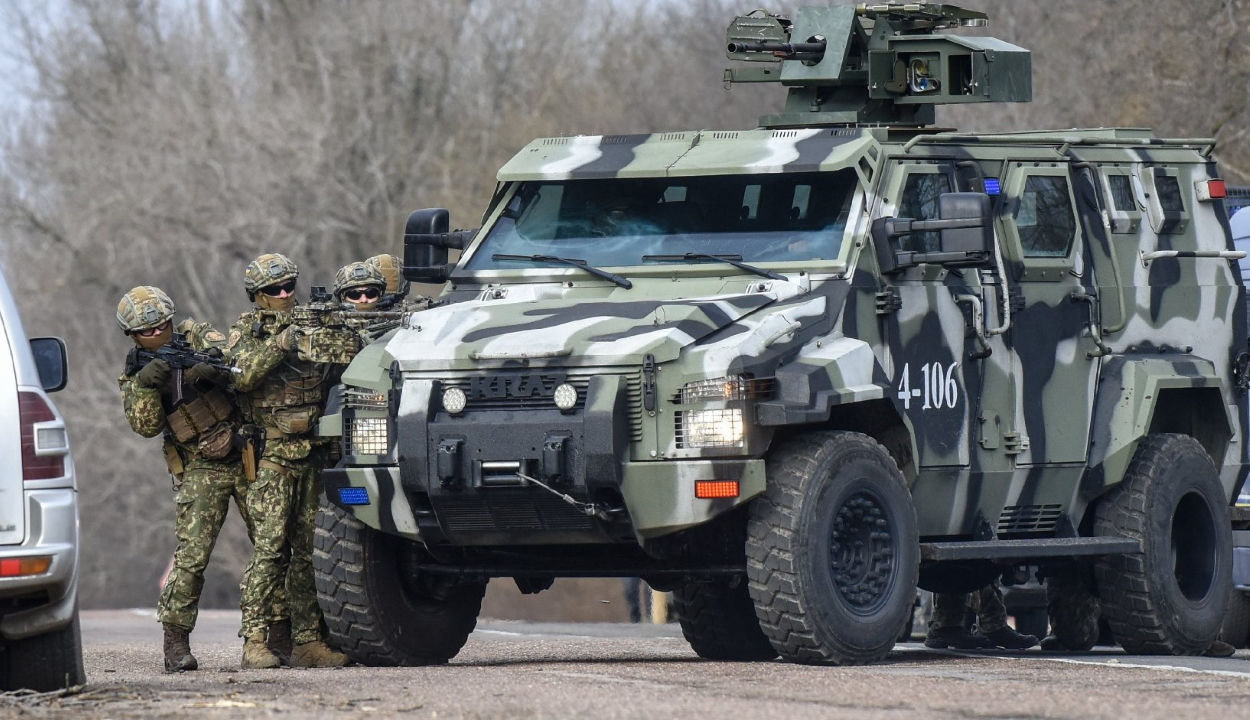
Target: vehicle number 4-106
<point x="938" y="387"/>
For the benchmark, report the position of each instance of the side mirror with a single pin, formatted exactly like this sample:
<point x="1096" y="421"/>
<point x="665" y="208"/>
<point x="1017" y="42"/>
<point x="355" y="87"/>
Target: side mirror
<point x="426" y="241"/>
<point x="966" y="225"/>
<point x="51" y="361"/>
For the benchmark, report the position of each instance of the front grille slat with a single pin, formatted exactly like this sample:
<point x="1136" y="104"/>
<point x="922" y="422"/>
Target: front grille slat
<point x="512" y="514"/>
<point x="1029" y="518"/>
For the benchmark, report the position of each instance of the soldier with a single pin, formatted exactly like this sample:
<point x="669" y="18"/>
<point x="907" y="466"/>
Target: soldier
<point x="199" y="422"/>
<point x="396" y="292"/>
<point x="281" y="397"/>
<point x="947" y="629"/>
<point x="360" y="286"/>
<point x="1073" y="612"/>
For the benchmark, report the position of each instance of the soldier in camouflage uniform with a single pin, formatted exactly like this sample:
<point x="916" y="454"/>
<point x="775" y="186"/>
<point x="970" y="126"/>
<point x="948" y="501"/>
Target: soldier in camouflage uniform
<point x="282" y="397"/>
<point x="198" y="430"/>
<point x="360" y="286"/>
<point x="947" y="629"/>
<point x="395" y="294"/>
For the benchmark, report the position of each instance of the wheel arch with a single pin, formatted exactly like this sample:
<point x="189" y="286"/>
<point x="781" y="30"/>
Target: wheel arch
<point x="1140" y="397"/>
<point x="838" y="384"/>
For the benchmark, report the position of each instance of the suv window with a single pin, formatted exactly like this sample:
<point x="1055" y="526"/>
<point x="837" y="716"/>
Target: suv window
<point x="1044" y="217"/>
<point x="920" y="202"/>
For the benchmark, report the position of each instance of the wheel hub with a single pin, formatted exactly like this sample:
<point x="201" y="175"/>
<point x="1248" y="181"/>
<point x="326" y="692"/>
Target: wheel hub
<point x="861" y="553"/>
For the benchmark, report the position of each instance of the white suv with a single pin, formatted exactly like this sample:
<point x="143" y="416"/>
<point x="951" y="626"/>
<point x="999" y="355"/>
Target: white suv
<point x="40" y="647"/>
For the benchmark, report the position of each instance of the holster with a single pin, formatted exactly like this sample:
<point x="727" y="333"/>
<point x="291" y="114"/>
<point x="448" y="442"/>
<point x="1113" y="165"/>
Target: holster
<point x="252" y="438"/>
<point x="173" y="460"/>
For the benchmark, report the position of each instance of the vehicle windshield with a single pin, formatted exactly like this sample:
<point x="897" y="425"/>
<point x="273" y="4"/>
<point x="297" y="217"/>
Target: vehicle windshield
<point x="615" y="222"/>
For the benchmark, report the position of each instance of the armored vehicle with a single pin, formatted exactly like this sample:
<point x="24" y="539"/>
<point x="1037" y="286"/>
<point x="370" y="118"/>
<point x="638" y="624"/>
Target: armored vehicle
<point x="790" y="373"/>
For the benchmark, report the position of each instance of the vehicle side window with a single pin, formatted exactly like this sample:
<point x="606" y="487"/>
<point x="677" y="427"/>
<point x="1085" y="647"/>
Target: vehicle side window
<point x="1044" y="217"/>
<point x="920" y="202"/>
<point x="1122" y="192"/>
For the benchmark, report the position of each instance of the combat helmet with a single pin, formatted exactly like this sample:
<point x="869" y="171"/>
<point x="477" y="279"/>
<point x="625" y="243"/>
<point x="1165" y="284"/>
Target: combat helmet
<point x="266" y="270"/>
<point x="357" y="274"/>
<point x="143" y="308"/>
<point x="391" y="269"/>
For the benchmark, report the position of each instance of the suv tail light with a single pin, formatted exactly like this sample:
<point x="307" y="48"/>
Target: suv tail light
<point x="44" y="442"/>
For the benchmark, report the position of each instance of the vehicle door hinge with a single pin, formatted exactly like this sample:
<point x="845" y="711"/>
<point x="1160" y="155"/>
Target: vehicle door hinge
<point x="1015" y="442"/>
<point x="888" y="301"/>
<point x="648" y="382"/>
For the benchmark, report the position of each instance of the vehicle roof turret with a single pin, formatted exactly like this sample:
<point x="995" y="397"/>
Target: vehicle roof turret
<point x="875" y="64"/>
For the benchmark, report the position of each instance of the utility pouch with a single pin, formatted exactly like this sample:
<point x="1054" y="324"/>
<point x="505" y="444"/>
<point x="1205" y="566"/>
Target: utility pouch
<point x="173" y="460"/>
<point x="217" y="442"/>
<point x="295" y="421"/>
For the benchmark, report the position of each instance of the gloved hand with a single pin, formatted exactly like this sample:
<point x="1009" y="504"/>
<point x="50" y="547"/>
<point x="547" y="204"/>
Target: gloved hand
<point x="285" y="340"/>
<point x="207" y="373"/>
<point x="153" y="375"/>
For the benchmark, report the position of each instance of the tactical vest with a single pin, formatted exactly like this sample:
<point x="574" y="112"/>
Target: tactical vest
<point x="202" y="424"/>
<point x="291" y="397"/>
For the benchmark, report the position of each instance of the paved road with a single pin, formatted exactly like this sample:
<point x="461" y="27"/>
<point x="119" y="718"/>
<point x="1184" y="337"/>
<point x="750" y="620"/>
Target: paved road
<point x="526" y="670"/>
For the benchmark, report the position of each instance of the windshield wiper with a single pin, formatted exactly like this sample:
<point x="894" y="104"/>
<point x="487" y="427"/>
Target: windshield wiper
<point x="575" y="262"/>
<point x="735" y="260"/>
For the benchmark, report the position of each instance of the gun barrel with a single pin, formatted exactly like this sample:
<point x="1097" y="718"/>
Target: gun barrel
<point x="780" y="49"/>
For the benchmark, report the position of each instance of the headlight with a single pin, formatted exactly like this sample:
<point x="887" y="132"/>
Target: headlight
<point x="565" y="396"/>
<point x="454" y="400"/>
<point x="712" y="428"/>
<point x="366" y="436"/>
<point x="733" y="387"/>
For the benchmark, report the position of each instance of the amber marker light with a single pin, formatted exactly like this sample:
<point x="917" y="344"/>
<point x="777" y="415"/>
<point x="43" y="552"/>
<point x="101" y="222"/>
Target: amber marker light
<point x="16" y="567"/>
<point x="713" y="489"/>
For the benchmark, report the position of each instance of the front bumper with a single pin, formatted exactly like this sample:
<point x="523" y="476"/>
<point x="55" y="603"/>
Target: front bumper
<point x="39" y="604"/>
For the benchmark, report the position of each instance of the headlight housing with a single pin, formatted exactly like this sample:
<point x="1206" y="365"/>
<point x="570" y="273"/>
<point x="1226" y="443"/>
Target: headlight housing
<point x="366" y="435"/>
<point x="730" y="387"/>
<point x="713" y="428"/>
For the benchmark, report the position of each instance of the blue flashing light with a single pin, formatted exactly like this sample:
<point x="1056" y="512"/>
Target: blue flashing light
<point x="993" y="187"/>
<point x="354" y="495"/>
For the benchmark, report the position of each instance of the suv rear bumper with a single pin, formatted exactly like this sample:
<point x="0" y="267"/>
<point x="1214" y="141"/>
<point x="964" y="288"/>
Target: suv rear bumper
<point x="52" y="530"/>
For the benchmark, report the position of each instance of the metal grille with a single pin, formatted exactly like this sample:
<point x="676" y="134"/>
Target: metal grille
<point x="538" y="513"/>
<point x="1029" y="518"/>
<point x="712" y="428"/>
<point x="365" y="436"/>
<point x="633" y="394"/>
<point x="533" y="402"/>
<point x="362" y="399"/>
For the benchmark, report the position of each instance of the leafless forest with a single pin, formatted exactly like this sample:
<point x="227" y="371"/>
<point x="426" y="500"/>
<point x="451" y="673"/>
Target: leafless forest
<point x="168" y="142"/>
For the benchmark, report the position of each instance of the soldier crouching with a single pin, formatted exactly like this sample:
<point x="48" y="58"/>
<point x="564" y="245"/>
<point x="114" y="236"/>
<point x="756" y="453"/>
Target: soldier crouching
<point x="199" y="421"/>
<point x="282" y="398"/>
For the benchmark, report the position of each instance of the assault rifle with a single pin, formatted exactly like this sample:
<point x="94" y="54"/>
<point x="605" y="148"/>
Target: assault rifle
<point x="178" y="353"/>
<point x="328" y="332"/>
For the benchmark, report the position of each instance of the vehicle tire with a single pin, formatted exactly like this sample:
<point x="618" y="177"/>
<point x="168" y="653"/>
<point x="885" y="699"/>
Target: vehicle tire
<point x="718" y="619"/>
<point x="377" y="613"/>
<point x="45" y="662"/>
<point x="832" y="550"/>
<point x="1236" y="627"/>
<point x="1169" y="599"/>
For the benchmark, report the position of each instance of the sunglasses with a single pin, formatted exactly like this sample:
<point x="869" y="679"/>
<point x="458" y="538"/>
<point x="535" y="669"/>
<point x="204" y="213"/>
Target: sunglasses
<point x="151" y="332"/>
<point x="287" y="287"/>
<point x="368" y="293"/>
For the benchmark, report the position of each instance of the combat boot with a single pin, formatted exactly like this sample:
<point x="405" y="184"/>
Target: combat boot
<point x="279" y="640"/>
<point x="256" y="656"/>
<point x="1007" y="638"/>
<point x="957" y="637"/>
<point x="178" y="657"/>
<point x="316" y="654"/>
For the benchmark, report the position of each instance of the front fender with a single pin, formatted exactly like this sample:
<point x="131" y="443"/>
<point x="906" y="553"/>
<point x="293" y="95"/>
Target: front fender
<point x="827" y="372"/>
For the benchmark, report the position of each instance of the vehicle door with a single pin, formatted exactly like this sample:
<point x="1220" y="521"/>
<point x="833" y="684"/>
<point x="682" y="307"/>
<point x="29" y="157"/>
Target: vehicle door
<point x="927" y="333"/>
<point x="1055" y="359"/>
